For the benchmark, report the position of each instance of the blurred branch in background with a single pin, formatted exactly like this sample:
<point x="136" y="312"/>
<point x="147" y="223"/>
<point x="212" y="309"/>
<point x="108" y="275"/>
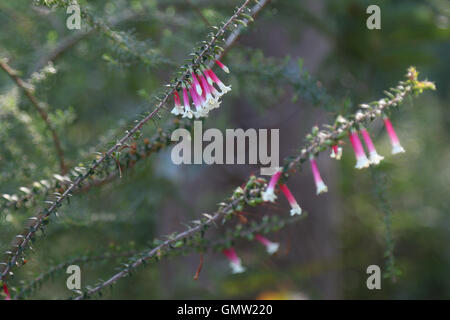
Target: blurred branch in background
<point x="39" y="106"/>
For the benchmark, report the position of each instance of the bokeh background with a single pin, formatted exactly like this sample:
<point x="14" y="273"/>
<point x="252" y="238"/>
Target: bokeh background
<point x="299" y="64"/>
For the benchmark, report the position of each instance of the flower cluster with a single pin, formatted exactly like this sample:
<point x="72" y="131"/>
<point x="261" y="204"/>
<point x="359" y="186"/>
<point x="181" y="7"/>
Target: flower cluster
<point x="205" y="89"/>
<point x="362" y="161"/>
<point x="269" y="194"/>
<point x="235" y="261"/>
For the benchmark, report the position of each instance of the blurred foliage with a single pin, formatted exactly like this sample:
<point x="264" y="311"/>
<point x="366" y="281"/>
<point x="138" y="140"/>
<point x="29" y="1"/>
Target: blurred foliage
<point x="101" y="85"/>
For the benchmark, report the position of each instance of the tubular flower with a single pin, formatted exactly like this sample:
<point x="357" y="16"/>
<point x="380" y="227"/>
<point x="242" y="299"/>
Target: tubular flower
<point x="336" y="152"/>
<point x="5" y="289"/>
<point x="269" y="194"/>
<point x="222" y="66"/>
<point x="210" y="101"/>
<point x="187" y="109"/>
<point x="178" y="109"/>
<point x="223" y="88"/>
<point x="235" y="262"/>
<point x="396" y="146"/>
<point x="320" y="185"/>
<point x="361" y="158"/>
<point x="199" y="112"/>
<point x="271" y="247"/>
<point x="295" y="208"/>
<point x="374" y="157"/>
<point x="196" y="84"/>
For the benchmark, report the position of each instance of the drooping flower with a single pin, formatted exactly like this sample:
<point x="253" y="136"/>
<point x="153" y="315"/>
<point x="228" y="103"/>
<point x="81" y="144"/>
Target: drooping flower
<point x="269" y="194"/>
<point x="271" y="247"/>
<point x="199" y="112"/>
<point x="223" y="88"/>
<point x="396" y="146"/>
<point x="187" y="109"/>
<point x="361" y="158"/>
<point x="295" y="208"/>
<point x="235" y="262"/>
<point x="196" y="84"/>
<point x="374" y="157"/>
<point x="178" y="109"/>
<point x="5" y="289"/>
<point x="222" y="66"/>
<point x="320" y="185"/>
<point x="210" y="101"/>
<point x="336" y="152"/>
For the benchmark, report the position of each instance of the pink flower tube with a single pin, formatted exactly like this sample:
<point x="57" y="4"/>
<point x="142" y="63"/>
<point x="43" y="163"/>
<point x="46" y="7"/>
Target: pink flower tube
<point x="320" y="185"/>
<point x="374" y="157"/>
<point x="223" y="88"/>
<point x="211" y="102"/>
<point x="198" y="105"/>
<point x="235" y="262"/>
<point x="295" y="208"/>
<point x="197" y="85"/>
<point x="178" y="109"/>
<point x="361" y="158"/>
<point x="396" y="146"/>
<point x="271" y="247"/>
<point x="222" y="66"/>
<point x="269" y="194"/>
<point x="187" y="109"/>
<point x="5" y="289"/>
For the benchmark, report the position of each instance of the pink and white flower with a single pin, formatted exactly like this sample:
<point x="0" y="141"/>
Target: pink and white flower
<point x="199" y="112"/>
<point x="396" y="146"/>
<point x="336" y="152"/>
<point x="295" y="208"/>
<point x="269" y="194"/>
<point x="187" y="109"/>
<point x="222" y="66"/>
<point x="361" y="158"/>
<point x="235" y="262"/>
<point x="210" y="101"/>
<point x="320" y="185"/>
<point x="374" y="157"/>
<point x="271" y="247"/>
<point x="223" y="88"/>
<point x="196" y="84"/>
<point x="178" y="109"/>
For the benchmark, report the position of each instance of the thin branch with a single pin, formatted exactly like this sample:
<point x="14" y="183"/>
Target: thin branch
<point x="38" y="106"/>
<point x="251" y="193"/>
<point x="231" y="39"/>
<point x="42" y="218"/>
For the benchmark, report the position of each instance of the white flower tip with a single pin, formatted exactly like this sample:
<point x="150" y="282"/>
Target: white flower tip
<point x="397" y="149"/>
<point x="362" y="163"/>
<point x="337" y="155"/>
<point x="175" y="111"/>
<point x="269" y="195"/>
<point x="273" y="247"/>
<point x="225" y="68"/>
<point x="224" y="89"/>
<point x="236" y="267"/>
<point x="321" y="188"/>
<point x="296" y="210"/>
<point x="375" y="158"/>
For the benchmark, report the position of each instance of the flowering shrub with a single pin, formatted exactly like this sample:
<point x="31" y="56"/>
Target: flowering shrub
<point x="196" y="90"/>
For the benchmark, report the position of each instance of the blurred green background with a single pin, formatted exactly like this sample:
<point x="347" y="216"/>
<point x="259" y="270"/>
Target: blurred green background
<point x="100" y="87"/>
